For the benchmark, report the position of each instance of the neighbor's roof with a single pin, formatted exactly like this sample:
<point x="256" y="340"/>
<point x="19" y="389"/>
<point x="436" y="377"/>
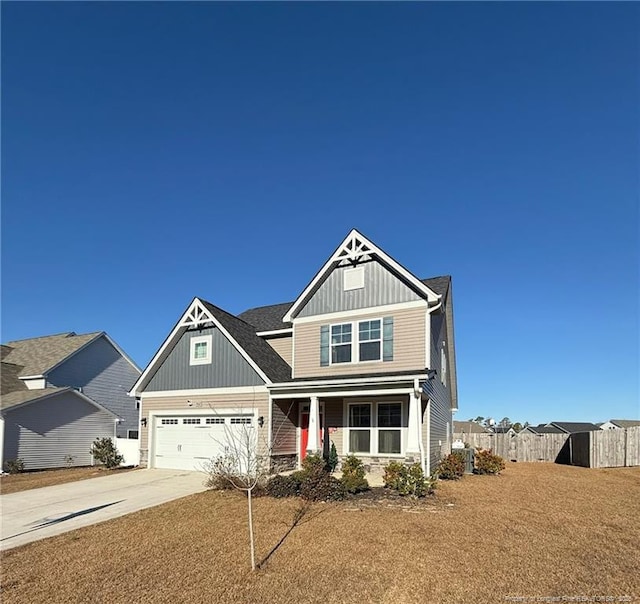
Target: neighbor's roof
<point x="571" y="427"/>
<point x="39" y="355"/>
<point x="273" y="365"/>
<point x="501" y="429"/>
<point x="468" y="428"/>
<point x="544" y="429"/>
<point x="625" y="423"/>
<point x="10" y="378"/>
<point x="269" y="318"/>
<point x="14" y="399"/>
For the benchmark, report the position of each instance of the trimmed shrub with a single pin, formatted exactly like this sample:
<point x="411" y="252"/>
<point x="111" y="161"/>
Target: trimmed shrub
<point x="353" y="475"/>
<point x="451" y="467"/>
<point x="14" y="466"/>
<point x="332" y="460"/>
<point x="393" y="473"/>
<point x="106" y="453"/>
<point x="487" y="462"/>
<point x="318" y="485"/>
<point x="408" y="480"/>
<point x="283" y="486"/>
<point x="313" y="463"/>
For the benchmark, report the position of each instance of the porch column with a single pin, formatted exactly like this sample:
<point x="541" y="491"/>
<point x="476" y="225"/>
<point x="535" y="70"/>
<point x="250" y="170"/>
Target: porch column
<point x="313" y="442"/>
<point x="413" y="432"/>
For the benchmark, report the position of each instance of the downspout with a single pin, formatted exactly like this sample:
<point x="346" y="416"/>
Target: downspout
<point x="418" y="394"/>
<point x="430" y="310"/>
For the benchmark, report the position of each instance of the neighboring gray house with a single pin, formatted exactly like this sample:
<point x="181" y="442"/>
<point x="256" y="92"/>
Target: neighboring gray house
<point x="619" y="424"/>
<point x="59" y="393"/>
<point x="469" y="428"/>
<point x="364" y="358"/>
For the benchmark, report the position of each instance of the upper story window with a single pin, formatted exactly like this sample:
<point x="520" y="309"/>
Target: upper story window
<point x="200" y="350"/>
<point x="370" y="340"/>
<point x="357" y="342"/>
<point x="341" y="343"/>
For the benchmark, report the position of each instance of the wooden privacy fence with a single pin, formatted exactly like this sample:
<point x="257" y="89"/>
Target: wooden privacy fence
<point x="598" y="449"/>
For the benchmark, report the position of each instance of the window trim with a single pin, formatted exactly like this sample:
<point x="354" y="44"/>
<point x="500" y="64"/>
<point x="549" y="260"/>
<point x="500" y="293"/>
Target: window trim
<point x="355" y="341"/>
<point x="195" y="340"/>
<point x="374" y="446"/>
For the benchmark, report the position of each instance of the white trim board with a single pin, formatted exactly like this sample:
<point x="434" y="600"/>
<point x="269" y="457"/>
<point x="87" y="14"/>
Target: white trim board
<point x="362" y="312"/>
<point x="204" y="392"/>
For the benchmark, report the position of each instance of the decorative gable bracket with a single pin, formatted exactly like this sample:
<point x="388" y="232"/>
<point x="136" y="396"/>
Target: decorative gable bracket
<point x="353" y="250"/>
<point x="196" y="316"/>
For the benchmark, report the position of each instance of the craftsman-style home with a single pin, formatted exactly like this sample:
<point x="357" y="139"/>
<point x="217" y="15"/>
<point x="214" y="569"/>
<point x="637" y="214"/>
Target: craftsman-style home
<point x="363" y="358"/>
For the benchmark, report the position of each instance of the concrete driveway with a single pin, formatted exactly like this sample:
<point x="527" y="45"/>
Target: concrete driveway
<point x="39" y="513"/>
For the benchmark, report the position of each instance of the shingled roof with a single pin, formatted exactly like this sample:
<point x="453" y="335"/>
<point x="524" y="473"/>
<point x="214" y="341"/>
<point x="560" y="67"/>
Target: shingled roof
<point x="571" y="427"/>
<point x="265" y="357"/>
<point x="13" y="399"/>
<point x="267" y="318"/>
<point x="10" y="378"/>
<point x="39" y="355"/>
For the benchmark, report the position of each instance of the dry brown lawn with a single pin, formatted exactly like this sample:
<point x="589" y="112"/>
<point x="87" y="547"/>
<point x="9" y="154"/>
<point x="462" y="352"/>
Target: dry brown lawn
<point x="12" y="483"/>
<point x="538" y="530"/>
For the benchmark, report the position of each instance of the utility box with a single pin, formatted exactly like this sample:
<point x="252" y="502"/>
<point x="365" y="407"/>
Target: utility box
<point x="468" y="453"/>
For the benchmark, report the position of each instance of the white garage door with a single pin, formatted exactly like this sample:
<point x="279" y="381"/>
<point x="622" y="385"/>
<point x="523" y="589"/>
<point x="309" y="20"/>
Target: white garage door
<point x="185" y="443"/>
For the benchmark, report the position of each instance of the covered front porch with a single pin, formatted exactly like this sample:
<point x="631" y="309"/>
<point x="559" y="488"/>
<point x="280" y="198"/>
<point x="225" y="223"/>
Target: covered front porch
<point x="376" y="421"/>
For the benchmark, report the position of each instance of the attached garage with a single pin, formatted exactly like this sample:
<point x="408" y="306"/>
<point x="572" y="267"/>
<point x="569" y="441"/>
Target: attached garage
<point x="188" y="442"/>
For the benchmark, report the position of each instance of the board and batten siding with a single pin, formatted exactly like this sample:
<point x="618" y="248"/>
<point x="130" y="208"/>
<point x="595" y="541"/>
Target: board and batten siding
<point x="441" y="417"/>
<point x="105" y="376"/>
<point x="284" y="422"/>
<point x="228" y="368"/>
<point x="283" y="346"/>
<point x="381" y="287"/>
<point x="241" y="403"/>
<point x="408" y="345"/>
<point x="44" y="433"/>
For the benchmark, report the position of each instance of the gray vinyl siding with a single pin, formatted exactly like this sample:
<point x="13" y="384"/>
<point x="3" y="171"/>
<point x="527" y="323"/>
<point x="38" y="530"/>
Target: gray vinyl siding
<point x="44" y="432"/>
<point x="381" y="287"/>
<point x="439" y="395"/>
<point x="105" y="376"/>
<point x="228" y="368"/>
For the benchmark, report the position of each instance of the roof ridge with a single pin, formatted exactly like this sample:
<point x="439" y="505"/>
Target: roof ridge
<point x="61" y="335"/>
<point x="226" y="312"/>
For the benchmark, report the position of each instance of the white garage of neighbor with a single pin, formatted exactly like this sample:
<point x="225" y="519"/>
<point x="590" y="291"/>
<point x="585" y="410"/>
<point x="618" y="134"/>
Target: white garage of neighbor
<point x="189" y="441"/>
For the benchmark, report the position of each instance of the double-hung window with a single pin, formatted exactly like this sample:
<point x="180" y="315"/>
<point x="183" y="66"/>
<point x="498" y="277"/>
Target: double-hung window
<point x="370" y="340"/>
<point x="376" y="428"/>
<point x="366" y="341"/>
<point x="389" y="428"/>
<point x="360" y="428"/>
<point x="341" y="343"/>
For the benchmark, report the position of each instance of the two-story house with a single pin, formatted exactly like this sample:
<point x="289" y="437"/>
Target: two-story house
<point x="59" y="393"/>
<point x="364" y="358"/>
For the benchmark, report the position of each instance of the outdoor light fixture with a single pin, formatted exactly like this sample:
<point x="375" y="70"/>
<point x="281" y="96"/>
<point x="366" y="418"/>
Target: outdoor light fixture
<point x="261" y="421"/>
<point x="143" y="422"/>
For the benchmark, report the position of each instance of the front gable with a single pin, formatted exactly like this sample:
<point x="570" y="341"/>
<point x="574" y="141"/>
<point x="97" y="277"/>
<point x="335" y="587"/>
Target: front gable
<point x="359" y="275"/>
<point x="226" y="367"/>
<point x="379" y="287"/>
<point x="225" y="364"/>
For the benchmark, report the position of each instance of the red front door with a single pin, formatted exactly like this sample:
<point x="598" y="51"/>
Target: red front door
<point x="304" y="433"/>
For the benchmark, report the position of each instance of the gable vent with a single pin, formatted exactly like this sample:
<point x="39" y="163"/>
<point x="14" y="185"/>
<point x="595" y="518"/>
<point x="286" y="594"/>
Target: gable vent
<point x="353" y="278"/>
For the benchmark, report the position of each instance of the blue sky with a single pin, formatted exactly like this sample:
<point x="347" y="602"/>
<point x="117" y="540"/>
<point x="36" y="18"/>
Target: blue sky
<point x="155" y="152"/>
